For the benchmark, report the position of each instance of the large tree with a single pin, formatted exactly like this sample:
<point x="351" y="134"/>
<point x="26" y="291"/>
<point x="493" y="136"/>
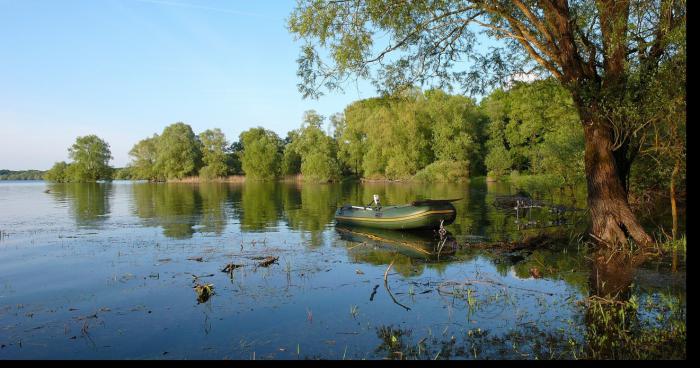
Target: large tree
<point x="144" y="155"/>
<point x="261" y="153"/>
<point x="90" y="156"/>
<point x="179" y="152"/>
<point x="592" y="48"/>
<point x="214" y="147"/>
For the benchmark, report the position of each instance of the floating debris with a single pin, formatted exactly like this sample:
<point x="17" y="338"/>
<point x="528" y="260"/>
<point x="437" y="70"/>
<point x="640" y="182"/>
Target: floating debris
<point x="230" y="267"/>
<point x="204" y="292"/>
<point x="268" y="261"/>
<point x="359" y="272"/>
<point x="198" y="259"/>
<point x="535" y="273"/>
<point x="510" y="202"/>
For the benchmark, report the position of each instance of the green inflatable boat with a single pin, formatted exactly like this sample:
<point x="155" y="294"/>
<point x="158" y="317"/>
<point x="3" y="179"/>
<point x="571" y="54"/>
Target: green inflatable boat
<point x="424" y="214"/>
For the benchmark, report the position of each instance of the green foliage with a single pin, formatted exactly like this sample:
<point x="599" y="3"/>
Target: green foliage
<point x="261" y="153"/>
<point x="534" y="128"/>
<point x="498" y="161"/>
<point x="444" y="171"/>
<point x="233" y="159"/>
<point x="123" y="173"/>
<point x="144" y="155"/>
<point x="312" y="151"/>
<point x="213" y="154"/>
<point x="291" y="159"/>
<point x="178" y="152"/>
<point x="395" y="137"/>
<point x="319" y="166"/>
<point x="58" y="173"/>
<point x="90" y="156"/>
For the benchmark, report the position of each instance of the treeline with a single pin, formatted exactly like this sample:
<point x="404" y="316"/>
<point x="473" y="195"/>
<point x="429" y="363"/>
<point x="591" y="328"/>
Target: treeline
<point x="429" y="136"/>
<point x="21" y="174"/>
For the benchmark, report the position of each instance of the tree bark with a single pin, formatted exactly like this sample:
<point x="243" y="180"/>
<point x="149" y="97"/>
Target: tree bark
<point x="611" y="216"/>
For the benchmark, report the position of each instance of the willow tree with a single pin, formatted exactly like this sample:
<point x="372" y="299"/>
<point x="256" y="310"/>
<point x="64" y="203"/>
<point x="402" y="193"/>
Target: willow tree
<point x="590" y="47"/>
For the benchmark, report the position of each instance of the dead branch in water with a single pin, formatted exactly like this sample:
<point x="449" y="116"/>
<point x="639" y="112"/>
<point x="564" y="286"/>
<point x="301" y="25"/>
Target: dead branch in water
<point x="230" y="267"/>
<point x="386" y="285"/>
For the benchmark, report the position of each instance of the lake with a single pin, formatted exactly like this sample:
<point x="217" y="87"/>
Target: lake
<point x="108" y="270"/>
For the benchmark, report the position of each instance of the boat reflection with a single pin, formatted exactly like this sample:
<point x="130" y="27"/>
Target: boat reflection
<point x="426" y="245"/>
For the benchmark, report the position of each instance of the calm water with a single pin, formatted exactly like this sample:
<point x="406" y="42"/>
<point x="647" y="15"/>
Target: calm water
<point x="107" y="271"/>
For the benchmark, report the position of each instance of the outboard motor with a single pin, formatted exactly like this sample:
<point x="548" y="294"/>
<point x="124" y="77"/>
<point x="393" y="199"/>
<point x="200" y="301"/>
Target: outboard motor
<point x="375" y="200"/>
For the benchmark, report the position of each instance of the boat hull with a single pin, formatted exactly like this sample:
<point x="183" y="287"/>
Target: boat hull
<point x="426" y="216"/>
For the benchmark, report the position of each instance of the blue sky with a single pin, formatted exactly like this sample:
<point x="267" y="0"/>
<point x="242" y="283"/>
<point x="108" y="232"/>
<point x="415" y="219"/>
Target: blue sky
<point x="124" y="69"/>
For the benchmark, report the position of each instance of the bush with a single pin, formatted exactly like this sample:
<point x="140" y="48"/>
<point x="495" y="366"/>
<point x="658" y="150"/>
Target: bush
<point x="444" y="171"/>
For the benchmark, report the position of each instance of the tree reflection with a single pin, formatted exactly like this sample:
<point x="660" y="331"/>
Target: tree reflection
<point x="174" y="207"/>
<point x="259" y="205"/>
<point x="213" y="207"/>
<point x="309" y="207"/>
<point x="88" y="202"/>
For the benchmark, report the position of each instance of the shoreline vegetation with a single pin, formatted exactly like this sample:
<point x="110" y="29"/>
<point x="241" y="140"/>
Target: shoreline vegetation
<point x="21" y="174"/>
<point x="527" y="131"/>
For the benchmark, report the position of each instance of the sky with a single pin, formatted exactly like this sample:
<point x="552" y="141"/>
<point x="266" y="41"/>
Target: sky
<point x="125" y="69"/>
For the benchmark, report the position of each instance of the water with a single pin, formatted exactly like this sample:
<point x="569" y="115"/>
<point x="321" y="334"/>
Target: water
<point x="107" y="271"/>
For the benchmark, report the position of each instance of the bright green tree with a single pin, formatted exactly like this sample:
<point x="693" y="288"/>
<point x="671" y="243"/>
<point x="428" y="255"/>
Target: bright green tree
<point x="315" y="151"/>
<point x="144" y="156"/>
<point x="57" y="173"/>
<point x="90" y="156"/>
<point x="179" y="152"/>
<point x="261" y="153"/>
<point x="213" y="154"/>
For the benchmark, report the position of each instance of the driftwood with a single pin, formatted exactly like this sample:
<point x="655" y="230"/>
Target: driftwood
<point x="230" y="267"/>
<point x="268" y="261"/>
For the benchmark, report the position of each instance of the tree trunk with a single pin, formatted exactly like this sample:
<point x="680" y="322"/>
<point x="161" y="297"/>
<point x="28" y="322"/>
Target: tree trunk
<point x="674" y="210"/>
<point x="611" y="216"/>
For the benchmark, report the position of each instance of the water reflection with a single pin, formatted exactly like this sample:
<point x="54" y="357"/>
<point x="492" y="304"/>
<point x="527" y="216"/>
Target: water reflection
<point x="214" y="209"/>
<point x="309" y="208"/>
<point x="88" y="202"/>
<point x="259" y="208"/>
<point x="183" y="209"/>
<point x="411" y="251"/>
<point x="544" y="301"/>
